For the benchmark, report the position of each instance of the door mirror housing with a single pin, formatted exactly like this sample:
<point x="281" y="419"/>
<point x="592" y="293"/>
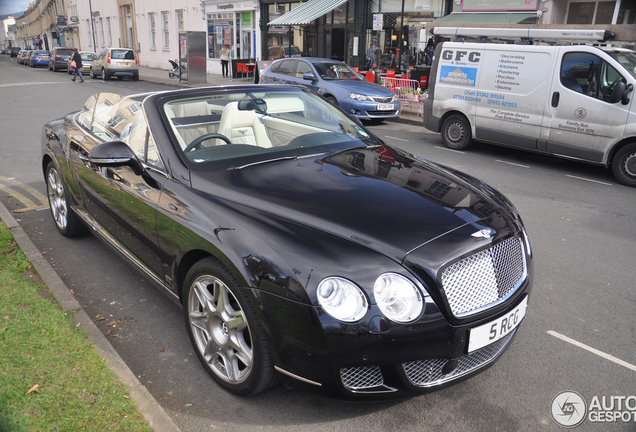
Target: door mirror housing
<point x="115" y="154"/>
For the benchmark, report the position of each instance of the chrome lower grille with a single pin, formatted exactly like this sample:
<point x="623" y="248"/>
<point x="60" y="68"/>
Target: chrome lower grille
<point x="363" y="377"/>
<point x="428" y="373"/>
<point x="486" y="278"/>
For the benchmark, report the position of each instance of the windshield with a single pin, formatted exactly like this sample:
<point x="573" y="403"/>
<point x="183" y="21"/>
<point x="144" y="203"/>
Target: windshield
<point x="626" y="58"/>
<point x="239" y="127"/>
<point x="88" y="56"/>
<point x="336" y="71"/>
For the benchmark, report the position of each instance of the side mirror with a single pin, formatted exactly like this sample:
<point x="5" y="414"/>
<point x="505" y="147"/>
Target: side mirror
<point x="621" y="92"/>
<point x="309" y="76"/>
<point x="625" y="96"/>
<point x="115" y="154"/>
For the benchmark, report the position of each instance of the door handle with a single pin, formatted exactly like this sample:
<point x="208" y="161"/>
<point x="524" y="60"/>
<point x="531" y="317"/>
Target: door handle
<point x="555" y="99"/>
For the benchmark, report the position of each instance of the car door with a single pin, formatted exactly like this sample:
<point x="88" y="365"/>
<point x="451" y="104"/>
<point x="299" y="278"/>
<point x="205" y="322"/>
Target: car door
<point x="121" y="202"/>
<point x="583" y="121"/>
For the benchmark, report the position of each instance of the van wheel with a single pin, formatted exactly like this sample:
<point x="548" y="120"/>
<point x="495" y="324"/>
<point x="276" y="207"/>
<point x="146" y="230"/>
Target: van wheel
<point x="624" y="165"/>
<point x="456" y="132"/>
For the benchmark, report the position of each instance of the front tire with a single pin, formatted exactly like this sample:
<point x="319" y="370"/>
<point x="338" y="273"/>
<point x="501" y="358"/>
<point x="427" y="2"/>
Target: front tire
<point x="92" y="74"/>
<point x="224" y="330"/>
<point x="624" y="165"/>
<point x="456" y="133"/>
<point x="66" y="222"/>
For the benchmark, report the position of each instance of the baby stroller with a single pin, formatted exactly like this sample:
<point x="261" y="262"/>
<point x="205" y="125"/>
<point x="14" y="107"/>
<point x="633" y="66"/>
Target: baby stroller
<point x="175" y="72"/>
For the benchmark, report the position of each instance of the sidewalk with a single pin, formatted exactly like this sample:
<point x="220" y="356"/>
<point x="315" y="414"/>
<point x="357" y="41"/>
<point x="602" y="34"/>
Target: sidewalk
<point x="160" y="76"/>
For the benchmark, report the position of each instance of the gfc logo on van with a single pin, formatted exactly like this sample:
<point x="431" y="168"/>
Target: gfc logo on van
<point x="461" y="56"/>
<point x="461" y="76"/>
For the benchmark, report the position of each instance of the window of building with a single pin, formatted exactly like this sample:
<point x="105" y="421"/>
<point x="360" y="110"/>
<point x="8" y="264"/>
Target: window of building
<point x="591" y="12"/>
<point x="101" y="31"/>
<point x="108" y="31"/>
<point x="179" y="18"/>
<point x="220" y="31"/>
<point x="153" y="30"/>
<point x="165" y="29"/>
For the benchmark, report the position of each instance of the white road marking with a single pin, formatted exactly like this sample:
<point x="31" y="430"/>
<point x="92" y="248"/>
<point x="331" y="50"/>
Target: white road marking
<point x="511" y="163"/>
<point x="32" y="83"/>
<point x="450" y="150"/>
<point x="588" y="180"/>
<point x="399" y="139"/>
<point x="593" y="350"/>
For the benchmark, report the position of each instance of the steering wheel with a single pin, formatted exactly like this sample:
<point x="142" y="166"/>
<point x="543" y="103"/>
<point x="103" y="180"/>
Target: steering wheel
<point x="197" y="141"/>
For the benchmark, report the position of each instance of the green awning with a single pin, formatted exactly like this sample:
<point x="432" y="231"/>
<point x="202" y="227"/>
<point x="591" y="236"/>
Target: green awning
<point x="488" y="18"/>
<point x="306" y="13"/>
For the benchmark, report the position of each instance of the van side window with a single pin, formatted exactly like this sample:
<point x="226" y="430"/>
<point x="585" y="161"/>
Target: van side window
<point x="589" y="74"/>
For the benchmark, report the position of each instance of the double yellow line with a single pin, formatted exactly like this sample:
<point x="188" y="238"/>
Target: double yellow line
<point x="30" y="198"/>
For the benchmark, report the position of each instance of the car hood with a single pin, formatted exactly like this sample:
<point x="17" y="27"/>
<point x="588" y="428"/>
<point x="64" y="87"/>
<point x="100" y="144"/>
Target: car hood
<point x="378" y="197"/>
<point x="362" y="87"/>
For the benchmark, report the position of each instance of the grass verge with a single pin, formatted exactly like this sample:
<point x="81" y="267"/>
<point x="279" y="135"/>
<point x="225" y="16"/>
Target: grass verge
<point x="51" y="376"/>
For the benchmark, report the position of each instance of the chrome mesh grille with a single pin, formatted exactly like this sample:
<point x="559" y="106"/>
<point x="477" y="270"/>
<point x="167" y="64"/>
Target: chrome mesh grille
<point x="485" y="278"/>
<point x="428" y="373"/>
<point x="363" y="377"/>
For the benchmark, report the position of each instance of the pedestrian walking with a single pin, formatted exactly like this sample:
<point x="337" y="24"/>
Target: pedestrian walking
<point x="76" y="62"/>
<point x="226" y="55"/>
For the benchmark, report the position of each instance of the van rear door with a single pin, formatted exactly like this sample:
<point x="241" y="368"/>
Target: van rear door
<point x="582" y="121"/>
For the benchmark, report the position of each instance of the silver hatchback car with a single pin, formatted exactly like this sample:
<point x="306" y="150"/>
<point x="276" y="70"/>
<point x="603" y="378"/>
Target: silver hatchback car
<point x="115" y="62"/>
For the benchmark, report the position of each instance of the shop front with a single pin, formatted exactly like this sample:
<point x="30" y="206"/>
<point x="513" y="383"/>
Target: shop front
<point x="234" y="25"/>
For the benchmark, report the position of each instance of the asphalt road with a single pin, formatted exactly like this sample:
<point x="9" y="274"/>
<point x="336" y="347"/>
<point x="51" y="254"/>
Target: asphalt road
<point x="579" y="333"/>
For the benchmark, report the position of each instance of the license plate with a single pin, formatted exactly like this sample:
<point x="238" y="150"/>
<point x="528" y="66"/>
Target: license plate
<point x="385" y="107"/>
<point x="86" y="69"/>
<point x="493" y="331"/>
<point x="124" y="64"/>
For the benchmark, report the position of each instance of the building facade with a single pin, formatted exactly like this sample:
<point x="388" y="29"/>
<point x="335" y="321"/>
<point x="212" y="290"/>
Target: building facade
<point x="338" y="29"/>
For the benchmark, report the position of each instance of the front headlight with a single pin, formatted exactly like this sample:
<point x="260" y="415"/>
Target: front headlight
<point x="360" y="97"/>
<point x="342" y="299"/>
<point x="398" y="298"/>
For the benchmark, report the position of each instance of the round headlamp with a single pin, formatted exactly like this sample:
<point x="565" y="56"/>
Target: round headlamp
<point x="398" y="298"/>
<point x="342" y="299"/>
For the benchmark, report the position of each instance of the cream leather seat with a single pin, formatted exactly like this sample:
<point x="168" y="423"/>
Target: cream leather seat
<point x="187" y="134"/>
<point x="243" y="127"/>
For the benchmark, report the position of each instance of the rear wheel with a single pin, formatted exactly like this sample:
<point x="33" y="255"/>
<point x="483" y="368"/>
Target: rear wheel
<point x="225" y="331"/>
<point x="624" y="165"/>
<point x="104" y="76"/>
<point x="456" y="132"/>
<point x="66" y="221"/>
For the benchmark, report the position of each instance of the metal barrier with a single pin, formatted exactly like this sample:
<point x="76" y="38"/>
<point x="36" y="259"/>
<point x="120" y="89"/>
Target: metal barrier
<point x="407" y="90"/>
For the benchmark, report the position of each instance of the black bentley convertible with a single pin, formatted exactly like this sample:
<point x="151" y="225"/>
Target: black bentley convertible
<point x="299" y="245"/>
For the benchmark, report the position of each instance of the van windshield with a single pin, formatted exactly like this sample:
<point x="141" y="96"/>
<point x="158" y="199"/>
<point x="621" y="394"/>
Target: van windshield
<point x="626" y="58"/>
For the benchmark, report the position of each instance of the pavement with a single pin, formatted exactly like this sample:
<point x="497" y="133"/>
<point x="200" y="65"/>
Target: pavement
<point x="409" y="112"/>
<point x="152" y="411"/>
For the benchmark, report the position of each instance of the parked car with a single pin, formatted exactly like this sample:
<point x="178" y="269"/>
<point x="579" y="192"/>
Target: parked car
<point x="39" y="58"/>
<point x="23" y="57"/>
<point x="339" y="83"/>
<point x="58" y="59"/>
<point x="276" y="52"/>
<point x="115" y="62"/>
<point x="297" y="242"/>
<point x="15" y="51"/>
<point x="87" y="60"/>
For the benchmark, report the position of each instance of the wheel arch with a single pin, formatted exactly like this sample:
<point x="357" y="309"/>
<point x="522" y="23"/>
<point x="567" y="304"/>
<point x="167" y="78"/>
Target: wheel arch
<point x="618" y="147"/>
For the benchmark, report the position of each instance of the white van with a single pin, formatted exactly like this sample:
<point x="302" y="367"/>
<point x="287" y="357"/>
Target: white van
<point x="571" y="101"/>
